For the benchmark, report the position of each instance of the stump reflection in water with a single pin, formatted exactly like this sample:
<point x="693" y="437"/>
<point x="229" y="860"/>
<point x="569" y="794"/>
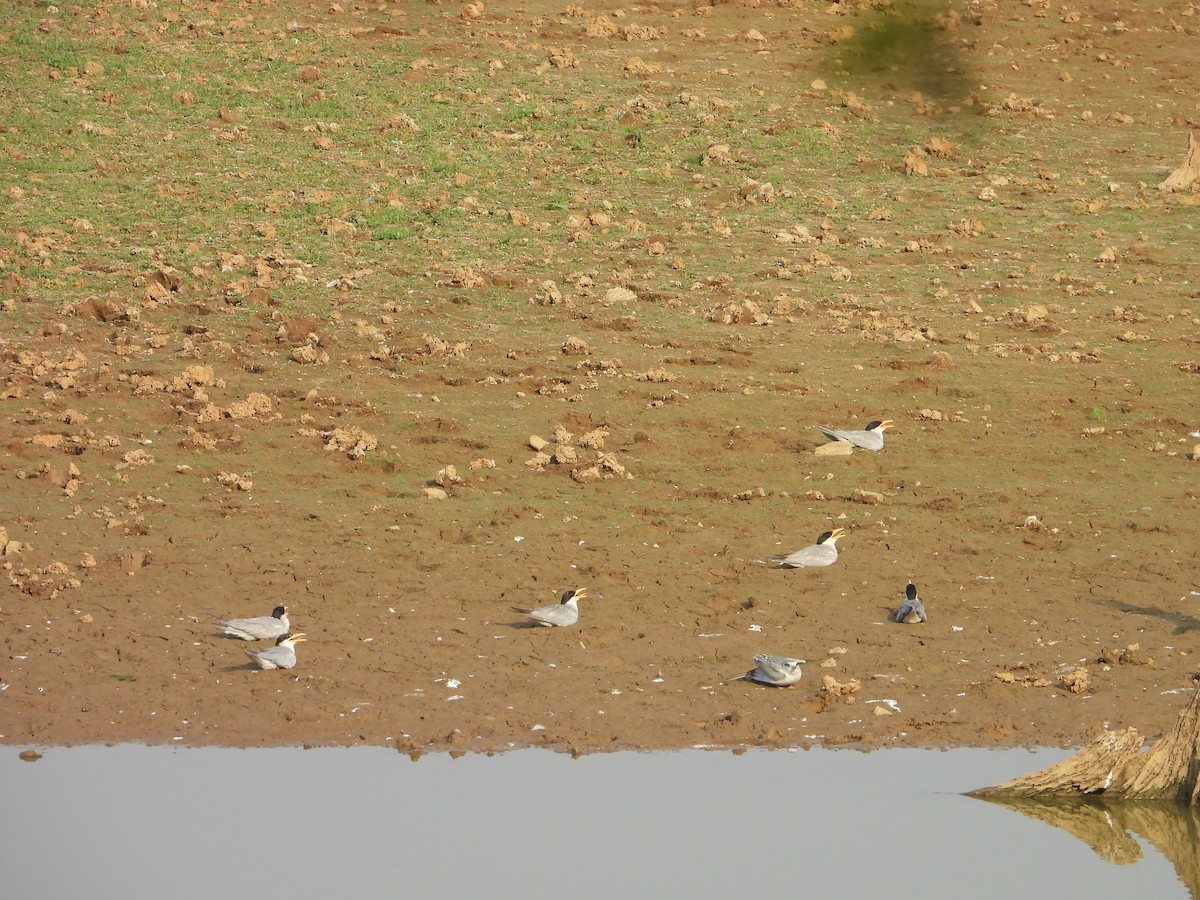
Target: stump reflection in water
<point x="1109" y="828"/>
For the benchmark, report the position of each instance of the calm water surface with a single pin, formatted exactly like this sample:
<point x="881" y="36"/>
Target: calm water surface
<point x="159" y="822"/>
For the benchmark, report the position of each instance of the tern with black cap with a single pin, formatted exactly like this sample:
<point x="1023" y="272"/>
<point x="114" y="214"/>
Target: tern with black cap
<point x="869" y="438"/>
<point x="564" y="612"/>
<point x="822" y="553"/>
<point x="263" y="628"/>
<point x="280" y="656"/>
<point x="912" y="610"/>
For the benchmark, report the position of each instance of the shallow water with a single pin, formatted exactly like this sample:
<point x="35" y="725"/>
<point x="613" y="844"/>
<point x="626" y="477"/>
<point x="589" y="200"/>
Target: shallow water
<point x="133" y="821"/>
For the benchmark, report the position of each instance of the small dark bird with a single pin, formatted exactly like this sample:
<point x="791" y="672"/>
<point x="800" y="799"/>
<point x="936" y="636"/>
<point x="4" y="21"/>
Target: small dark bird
<point x="912" y="610"/>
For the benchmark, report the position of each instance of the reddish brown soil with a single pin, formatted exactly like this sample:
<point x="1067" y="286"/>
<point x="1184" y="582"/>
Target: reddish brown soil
<point x="1037" y="487"/>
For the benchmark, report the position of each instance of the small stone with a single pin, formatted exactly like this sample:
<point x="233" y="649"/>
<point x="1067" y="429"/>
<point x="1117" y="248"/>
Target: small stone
<point x="1077" y="682"/>
<point x="434" y="493"/>
<point x="447" y="477"/>
<point x="538" y="443"/>
<point x="830" y="686"/>
<point x="538" y="461"/>
<point x="351" y="440"/>
<point x="871" y="498"/>
<point x="834" y="448"/>
<point x="574" y="346"/>
<point x="882" y="711"/>
<point x="609" y="465"/>
<point x="550" y="294"/>
<point x="593" y="440"/>
<point x="565" y="455"/>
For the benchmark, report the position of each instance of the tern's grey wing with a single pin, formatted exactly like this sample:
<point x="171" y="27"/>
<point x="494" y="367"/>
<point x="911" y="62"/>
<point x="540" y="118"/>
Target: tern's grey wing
<point x="799" y="559"/>
<point x="774" y="668"/>
<point x="835" y="434"/>
<point x="867" y="440"/>
<point x="276" y="657"/>
<point x="257" y="629"/>
<point x="814" y="555"/>
<point x="778" y="669"/>
<point x="560" y="614"/>
<point x="261" y="658"/>
<point x="246" y="629"/>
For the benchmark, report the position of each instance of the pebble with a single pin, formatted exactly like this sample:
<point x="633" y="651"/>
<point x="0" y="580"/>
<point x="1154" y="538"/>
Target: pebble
<point x="834" y="448"/>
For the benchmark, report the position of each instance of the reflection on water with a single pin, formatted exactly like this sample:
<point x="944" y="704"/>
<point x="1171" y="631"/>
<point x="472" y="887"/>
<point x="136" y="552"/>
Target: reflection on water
<point x="131" y="822"/>
<point x="1110" y="828"/>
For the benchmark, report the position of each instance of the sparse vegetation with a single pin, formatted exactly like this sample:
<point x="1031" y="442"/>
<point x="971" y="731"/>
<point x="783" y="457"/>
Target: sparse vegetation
<point x="266" y="267"/>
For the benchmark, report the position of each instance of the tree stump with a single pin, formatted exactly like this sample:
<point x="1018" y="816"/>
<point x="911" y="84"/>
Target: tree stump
<point x="1114" y="767"/>
<point x="1092" y="770"/>
<point x="1167" y="771"/>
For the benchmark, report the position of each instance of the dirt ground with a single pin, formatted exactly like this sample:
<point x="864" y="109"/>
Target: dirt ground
<point x="1039" y="485"/>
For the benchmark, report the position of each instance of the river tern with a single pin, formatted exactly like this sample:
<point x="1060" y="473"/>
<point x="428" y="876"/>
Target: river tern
<point x="262" y="628"/>
<point x="777" y="671"/>
<point x="869" y="438"/>
<point x="912" y="610"/>
<point x="281" y="656"/>
<point x="822" y="553"/>
<point x="564" y="612"/>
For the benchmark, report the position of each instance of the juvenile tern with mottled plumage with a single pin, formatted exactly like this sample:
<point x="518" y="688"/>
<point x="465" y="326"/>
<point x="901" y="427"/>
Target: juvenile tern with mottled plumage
<point x="777" y="671"/>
